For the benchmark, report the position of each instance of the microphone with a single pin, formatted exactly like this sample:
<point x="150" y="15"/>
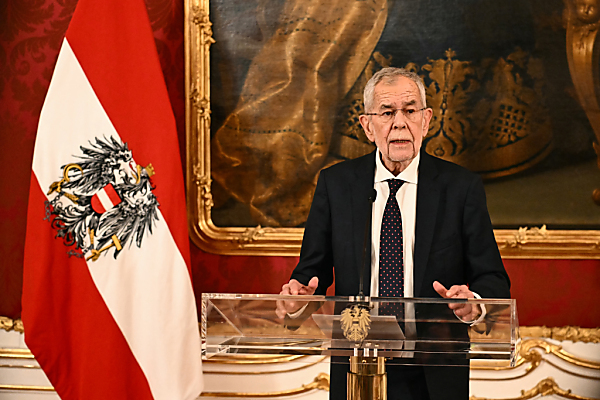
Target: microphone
<point x="366" y="244"/>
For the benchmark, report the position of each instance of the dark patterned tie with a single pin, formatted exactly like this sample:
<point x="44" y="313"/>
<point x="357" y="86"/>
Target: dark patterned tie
<point x="391" y="265"/>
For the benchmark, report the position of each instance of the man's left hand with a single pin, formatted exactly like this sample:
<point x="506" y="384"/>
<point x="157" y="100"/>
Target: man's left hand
<point x="464" y="311"/>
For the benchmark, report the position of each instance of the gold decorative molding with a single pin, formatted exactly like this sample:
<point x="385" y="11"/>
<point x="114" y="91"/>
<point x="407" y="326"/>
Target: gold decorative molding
<point x="303" y="366"/>
<point x="321" y="382"/>
<point x="528" y="354"/>
<point x="583" y="22"/>
<point x="534" y="358"/>
<point x="542" y="243"/>
<point x="9" y="324"/>
<point x="513" y="244"/>
<point x="252" y="359"/>
<point x="545" y="387"/>
<point x="21" y="366"/>
<point x="256" y="360"/>
<point x="27" y="388"/>
<point x="16" y="354"/>
<point x="571" y="333"/>
<point x="524" y="232"/>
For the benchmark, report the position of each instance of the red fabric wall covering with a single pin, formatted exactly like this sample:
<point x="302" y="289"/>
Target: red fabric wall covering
<point x="213" y="273"/>
<point x="548" y="292"/>
<point x="556" y="292"/>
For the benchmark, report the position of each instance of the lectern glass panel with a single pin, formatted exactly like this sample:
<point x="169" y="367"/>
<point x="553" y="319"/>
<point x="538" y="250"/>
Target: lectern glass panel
<point x="403" y="330"/>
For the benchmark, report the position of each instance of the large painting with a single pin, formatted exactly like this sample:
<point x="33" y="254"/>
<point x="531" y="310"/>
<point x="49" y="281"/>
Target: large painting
<point x="275" y="90"/>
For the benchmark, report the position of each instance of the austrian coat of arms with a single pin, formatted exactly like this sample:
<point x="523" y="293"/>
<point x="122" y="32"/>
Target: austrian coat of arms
<point x="102" y="201"/>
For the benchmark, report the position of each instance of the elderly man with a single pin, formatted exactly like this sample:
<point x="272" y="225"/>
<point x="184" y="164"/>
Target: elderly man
<point x="437" y="220"/>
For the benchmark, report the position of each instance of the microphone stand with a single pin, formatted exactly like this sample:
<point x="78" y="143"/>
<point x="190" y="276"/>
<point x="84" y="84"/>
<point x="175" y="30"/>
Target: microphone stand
<point x="366" y="244"/>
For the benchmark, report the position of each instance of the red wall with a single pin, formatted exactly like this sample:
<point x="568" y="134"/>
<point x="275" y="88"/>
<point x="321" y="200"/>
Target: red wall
<point x="548" y="292"/>
<point x="556" y="292"/>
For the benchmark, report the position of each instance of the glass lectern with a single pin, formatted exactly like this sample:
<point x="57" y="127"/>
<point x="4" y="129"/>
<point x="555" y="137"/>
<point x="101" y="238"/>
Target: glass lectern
<point x="367" y="332"/>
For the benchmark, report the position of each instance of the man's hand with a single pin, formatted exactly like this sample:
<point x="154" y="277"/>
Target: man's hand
<point x="293" y="287"/>
<point x="465" y="311"/>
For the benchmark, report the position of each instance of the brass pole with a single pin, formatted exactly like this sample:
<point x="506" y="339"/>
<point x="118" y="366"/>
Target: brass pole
<point x="367" y="379"/>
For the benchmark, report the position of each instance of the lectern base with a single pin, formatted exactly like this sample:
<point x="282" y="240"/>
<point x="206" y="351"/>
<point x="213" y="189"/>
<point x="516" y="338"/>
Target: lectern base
<point x="367" y="379"/>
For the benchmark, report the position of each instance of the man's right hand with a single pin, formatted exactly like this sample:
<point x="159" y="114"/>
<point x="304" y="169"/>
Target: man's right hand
<point x="293" y="287"/>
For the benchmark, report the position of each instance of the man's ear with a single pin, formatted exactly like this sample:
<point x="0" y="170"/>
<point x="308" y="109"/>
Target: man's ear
<point x="365" y="122"/>
<point x="427" y="115"/>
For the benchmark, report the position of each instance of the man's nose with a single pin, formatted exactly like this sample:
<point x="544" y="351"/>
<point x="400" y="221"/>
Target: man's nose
<point x="399" y="120"/>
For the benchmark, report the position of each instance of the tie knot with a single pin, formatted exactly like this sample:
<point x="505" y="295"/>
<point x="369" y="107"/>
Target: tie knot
<point x="394" y="185"/>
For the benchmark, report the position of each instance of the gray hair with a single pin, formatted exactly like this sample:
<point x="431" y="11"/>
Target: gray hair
<point x="389" y="75"/>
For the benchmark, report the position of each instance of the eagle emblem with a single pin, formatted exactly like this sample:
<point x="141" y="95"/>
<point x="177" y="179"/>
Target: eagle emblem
<point x="355" y="322"/>
<point x="103" y="201"/>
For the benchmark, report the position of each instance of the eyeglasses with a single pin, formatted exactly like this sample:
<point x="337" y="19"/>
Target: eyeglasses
<point x="411" y="114"/>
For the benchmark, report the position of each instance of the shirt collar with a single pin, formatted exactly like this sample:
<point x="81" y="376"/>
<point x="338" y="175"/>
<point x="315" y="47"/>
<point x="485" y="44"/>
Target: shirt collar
<point x="410" y="174"/>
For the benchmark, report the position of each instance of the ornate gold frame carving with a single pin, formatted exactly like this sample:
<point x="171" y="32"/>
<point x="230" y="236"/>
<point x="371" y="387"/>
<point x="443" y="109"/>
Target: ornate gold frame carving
<point x="528" y="355"/>
<point x="534" y="338"/>
<point x="535" y="242"/>
<point x="9" y="324"/>
<point x="571" y="333"/>
<point x="545" y="387"/>
<point x="583" y="21"/>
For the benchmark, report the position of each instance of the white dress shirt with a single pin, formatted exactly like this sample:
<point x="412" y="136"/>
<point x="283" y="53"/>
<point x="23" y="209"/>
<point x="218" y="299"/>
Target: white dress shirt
<point x="407" y="201"/>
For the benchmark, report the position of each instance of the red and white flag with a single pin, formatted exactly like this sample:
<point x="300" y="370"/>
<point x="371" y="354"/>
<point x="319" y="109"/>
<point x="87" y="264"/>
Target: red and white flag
<point x="108" y="305"/>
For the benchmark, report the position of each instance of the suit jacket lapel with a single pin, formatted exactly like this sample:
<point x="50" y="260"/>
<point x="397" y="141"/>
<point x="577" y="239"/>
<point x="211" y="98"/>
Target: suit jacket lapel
<point x="361" y="188"/>
<point x="428" y="195"/>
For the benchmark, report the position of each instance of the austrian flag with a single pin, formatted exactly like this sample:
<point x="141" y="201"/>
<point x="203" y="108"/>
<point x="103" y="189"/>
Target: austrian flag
<point x="108" y="305"/>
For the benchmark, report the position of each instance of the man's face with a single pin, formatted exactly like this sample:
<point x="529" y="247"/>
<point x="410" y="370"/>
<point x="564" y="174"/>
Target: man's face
<point x="399" y="140"/>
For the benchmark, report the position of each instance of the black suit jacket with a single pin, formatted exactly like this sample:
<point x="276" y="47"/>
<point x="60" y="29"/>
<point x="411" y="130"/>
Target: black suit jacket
<point x="454" y="240"/>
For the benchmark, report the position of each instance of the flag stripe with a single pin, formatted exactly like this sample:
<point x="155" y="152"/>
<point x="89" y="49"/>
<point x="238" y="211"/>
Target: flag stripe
<point x="96" y="37"/>
<point x="80" y="327"/>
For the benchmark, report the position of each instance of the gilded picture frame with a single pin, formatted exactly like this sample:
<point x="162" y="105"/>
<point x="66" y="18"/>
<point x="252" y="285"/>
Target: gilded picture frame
<point x="534" y="242"/>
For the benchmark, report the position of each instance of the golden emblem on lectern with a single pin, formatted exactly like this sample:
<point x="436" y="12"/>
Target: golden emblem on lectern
<point x="355" y="322"/>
